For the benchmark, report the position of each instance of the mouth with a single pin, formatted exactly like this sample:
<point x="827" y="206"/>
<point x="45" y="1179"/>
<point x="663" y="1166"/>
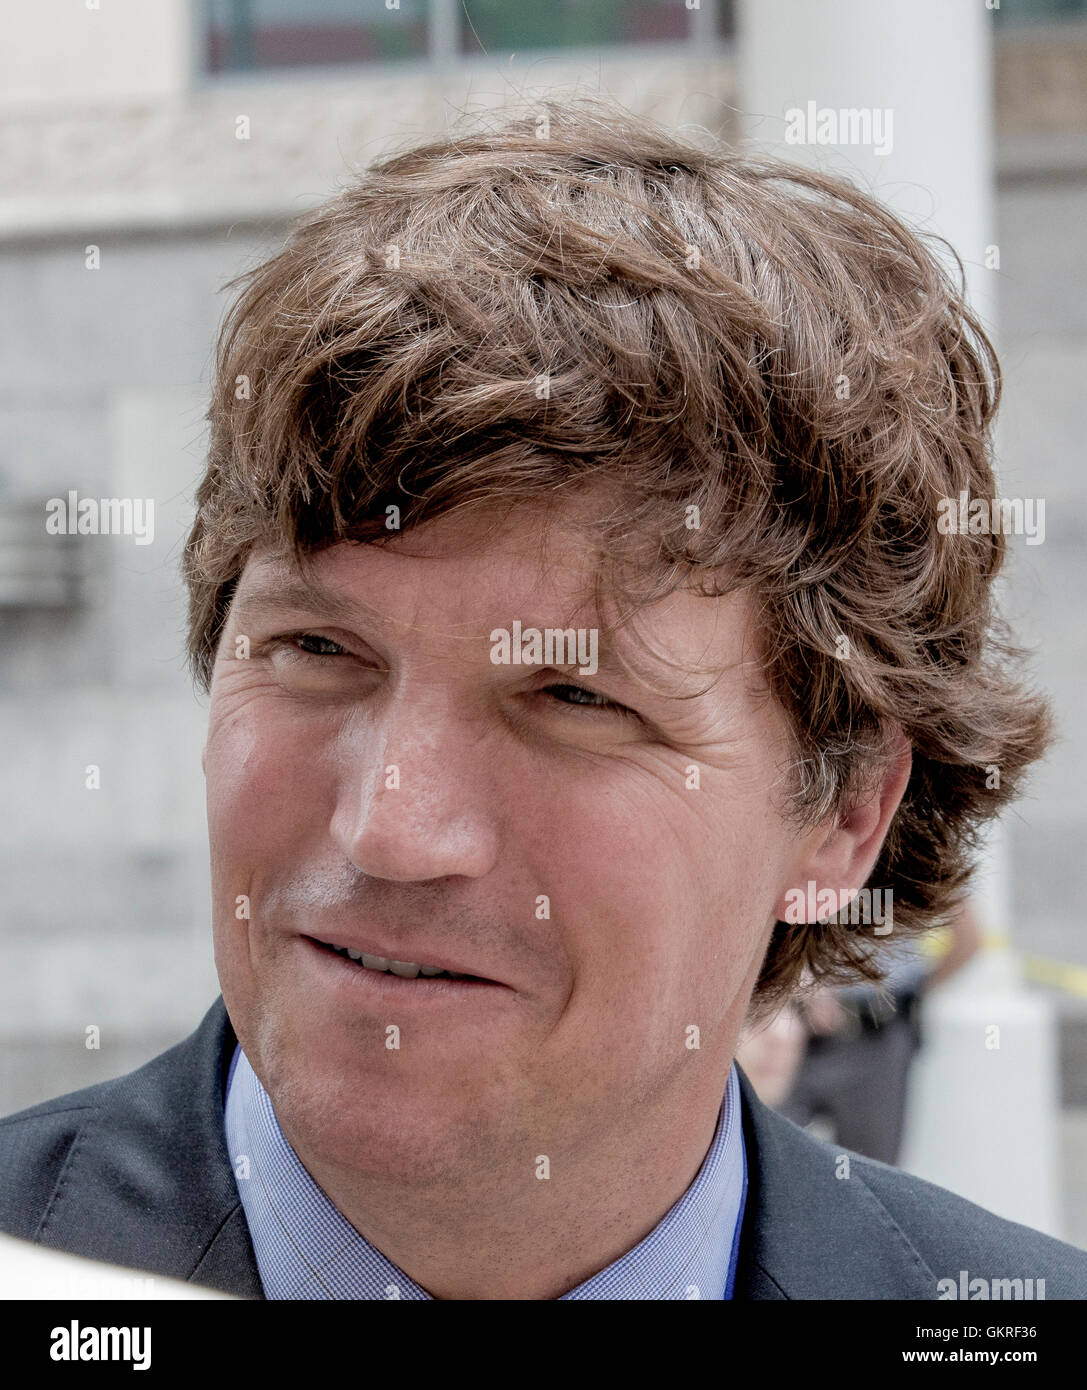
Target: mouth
<point x="406" y="971"/>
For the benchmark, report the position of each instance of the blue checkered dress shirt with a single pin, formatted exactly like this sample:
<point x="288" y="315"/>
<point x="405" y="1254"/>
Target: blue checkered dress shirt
<point x="305" y="1248"/>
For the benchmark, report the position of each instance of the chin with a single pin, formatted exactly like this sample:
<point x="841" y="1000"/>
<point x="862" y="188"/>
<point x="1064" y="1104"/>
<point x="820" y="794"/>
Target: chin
<point x="380" y="1133"/>
<point x="368" y="1114"/>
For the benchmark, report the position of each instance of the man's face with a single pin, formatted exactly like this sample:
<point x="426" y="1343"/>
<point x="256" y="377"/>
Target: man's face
<point x="376" y="781"/>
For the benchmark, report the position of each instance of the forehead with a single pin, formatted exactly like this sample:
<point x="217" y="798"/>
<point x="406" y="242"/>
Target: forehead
<point x="464" y="563"/>
<point x="454" y="580"/>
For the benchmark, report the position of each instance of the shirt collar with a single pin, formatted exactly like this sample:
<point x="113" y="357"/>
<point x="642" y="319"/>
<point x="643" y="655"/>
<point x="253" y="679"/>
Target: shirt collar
<point x="306" y="1249"/>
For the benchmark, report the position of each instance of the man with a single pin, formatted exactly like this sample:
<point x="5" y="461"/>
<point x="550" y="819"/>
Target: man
<point x="567" y="583"/>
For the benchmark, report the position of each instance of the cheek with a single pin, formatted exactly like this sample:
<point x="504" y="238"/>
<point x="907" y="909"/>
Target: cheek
<point x="267" y="799"/>
<point x="666" y="892"/>
<point x="266" y="787"/>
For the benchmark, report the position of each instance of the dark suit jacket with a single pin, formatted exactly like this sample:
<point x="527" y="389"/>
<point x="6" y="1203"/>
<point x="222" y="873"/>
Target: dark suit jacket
<point x="136" y="1171"/>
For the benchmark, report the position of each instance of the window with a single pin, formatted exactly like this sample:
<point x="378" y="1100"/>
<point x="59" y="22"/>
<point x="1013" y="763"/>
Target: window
<point x="1016" y="13"/>
<point x="260" y="34"/>
<point x="254" y="35"/>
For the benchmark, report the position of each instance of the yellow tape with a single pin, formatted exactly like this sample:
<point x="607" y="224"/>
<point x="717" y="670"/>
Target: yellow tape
<point x="1071" y="978"/>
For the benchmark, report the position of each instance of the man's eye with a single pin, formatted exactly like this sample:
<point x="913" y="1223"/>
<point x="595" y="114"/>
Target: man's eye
<point x="317" y="646"/>
<point x="588" y="699"/>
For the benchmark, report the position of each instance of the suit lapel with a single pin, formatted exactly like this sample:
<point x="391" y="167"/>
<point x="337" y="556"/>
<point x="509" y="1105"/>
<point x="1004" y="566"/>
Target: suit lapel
<point x="149" y="1184"/>
<point x="810" y="1233"/>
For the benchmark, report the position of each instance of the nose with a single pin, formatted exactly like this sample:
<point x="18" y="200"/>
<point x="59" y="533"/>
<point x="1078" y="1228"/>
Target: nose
<point x="415" y="801"/>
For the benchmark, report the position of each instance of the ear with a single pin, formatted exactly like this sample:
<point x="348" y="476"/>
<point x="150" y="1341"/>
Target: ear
<point x="839" y="855"/>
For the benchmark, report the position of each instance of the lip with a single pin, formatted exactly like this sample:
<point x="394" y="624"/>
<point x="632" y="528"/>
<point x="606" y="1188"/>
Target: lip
<point x="395" y="989"/>
<point x="425" y="957"/>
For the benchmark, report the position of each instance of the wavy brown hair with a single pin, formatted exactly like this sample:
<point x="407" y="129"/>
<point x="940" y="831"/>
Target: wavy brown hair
<point x="712" y="331"/>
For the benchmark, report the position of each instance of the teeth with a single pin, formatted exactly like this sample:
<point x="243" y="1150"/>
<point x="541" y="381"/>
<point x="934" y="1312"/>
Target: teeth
<point x="406" y="969"/>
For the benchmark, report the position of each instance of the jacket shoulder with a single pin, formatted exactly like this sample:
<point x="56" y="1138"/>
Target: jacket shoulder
<point x="955" y="1236"/>
<point x="37" y="1144"/>
<point x="34" y="1146"/>
<point x="135" y="1170"/>
<point x="820" y="1227"/>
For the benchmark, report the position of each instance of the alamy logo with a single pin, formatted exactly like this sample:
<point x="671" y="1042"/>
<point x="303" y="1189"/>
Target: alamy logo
<point x="75" y="1343"/>
<point x="872" y="907"/>
<point x="977" y="516"/>
<point x="101" y="516"/>
<point x="851" y="125"/>
<point x="978" y="1288"/>
<point x="550" y="646"/>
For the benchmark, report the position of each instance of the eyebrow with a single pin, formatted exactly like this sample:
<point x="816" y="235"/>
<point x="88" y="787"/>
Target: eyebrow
<point x="279" y="594"/>
<point x="272" y="594"/>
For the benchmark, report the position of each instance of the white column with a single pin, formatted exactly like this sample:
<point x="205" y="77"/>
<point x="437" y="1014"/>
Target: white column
<point x="927" y="63"/>
<point x="60" y="51"/>
<point x="915" y="80"/>
<point x="984" y="1093"/>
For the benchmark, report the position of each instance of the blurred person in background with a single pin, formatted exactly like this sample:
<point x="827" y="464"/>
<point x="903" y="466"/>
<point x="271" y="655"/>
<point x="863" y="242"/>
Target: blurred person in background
<point x="843" y="1055"/>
